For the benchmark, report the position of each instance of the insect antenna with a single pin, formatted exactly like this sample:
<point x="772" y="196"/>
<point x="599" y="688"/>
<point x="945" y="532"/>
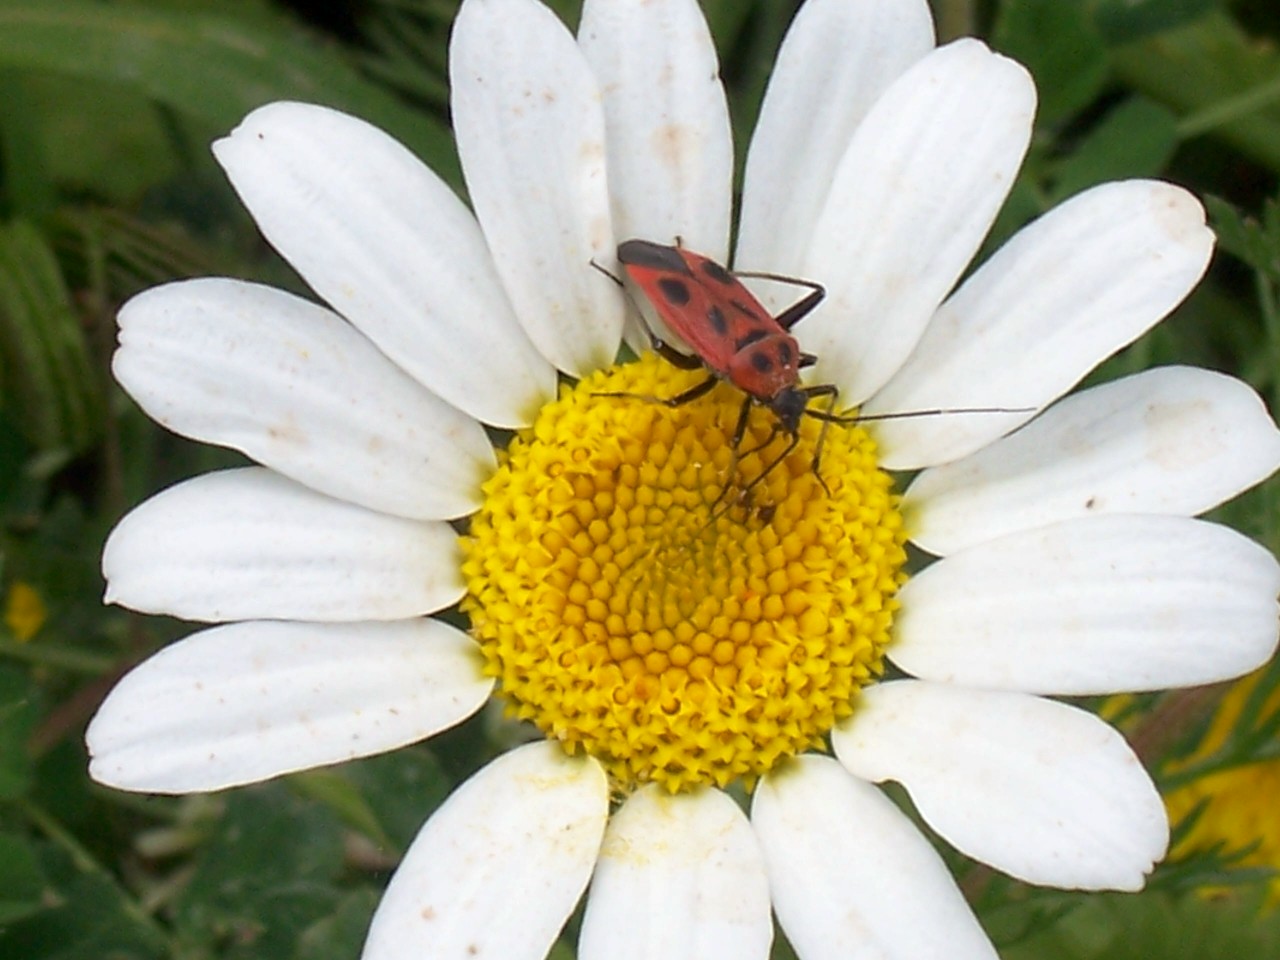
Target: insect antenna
<point x="827" y="417"/>
<point x="907" y="414"/>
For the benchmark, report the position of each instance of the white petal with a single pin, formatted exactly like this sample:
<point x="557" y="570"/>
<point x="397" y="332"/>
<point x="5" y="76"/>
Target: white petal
<point x="680" y="878"/>
<point x="913" y="196"/>
<point x="1091" y="606"/>
<point x="1045" y="792"/>
<point x="1069" y="290"/>
<point x="389" y="246"/>
<point x="837" y="59"/>
<point x="299" y="390"/>
<point x="851" y="877"/>
<point x="1175" y="440"/>
<point x="248" y="701"/>
<point x="498" y="868"/>
<point x="249" y="544"/>
<point x="670" y="147"/>
<point x="530" y="132"/>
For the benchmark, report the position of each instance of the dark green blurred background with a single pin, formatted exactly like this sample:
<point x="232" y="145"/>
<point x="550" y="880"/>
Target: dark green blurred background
<point x="107" y="187"/>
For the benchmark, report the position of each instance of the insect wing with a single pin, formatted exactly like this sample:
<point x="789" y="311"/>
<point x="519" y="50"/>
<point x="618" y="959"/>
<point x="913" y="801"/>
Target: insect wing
<point x="698" y="299"/>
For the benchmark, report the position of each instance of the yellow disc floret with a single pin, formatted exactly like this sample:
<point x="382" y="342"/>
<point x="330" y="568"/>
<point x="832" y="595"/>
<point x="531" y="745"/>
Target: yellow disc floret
<point x="638" y="597"/>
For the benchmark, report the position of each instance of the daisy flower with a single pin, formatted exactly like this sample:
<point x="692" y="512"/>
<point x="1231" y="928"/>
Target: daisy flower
<point x="702" y="651"/>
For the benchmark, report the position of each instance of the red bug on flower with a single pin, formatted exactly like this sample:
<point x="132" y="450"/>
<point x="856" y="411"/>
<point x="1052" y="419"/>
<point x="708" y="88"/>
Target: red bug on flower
<point x="733" y="337"/>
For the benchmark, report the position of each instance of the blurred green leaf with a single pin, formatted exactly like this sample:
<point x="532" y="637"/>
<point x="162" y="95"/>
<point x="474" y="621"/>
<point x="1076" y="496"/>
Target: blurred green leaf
<point x="1136" y="139"/>
<point x="90" y="919"/>
<point x="19" y="711"/>
<point x="403" y="788"/>
<point x="20" y="492"/>
<point x="748" y="65"/>
<point x="209" y="66"/>
<point x="570" y="11"/>
<point x="1056" y="41"/>
<point x="331" y="787"/>
<point x="28" y="186"/>
<point x="1025" y="202"/>
<point x="1256" y="241"/>
<point x="1216" y="78"/>
<point x="22" y="882"/>
<point x="1120" y="21"/>
<point x="116" y="254"/>
<point x="272" y="844"/>
<point x="48" y="382"/>
<point x="64" y="792"/>
<point x="409" y="49"/>
<point x="75" y="134"/>
<point x="342" y="933"/>
<point x="1154" y="925"/>
<point x="729" y="18"/>
<point x="284" y="918"/>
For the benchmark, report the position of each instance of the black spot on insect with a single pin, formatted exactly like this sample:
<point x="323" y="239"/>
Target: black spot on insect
<point x="675" y="292"/>
<point x="717" y="273"/>
<point x="784" y="353"/>
<point x="748" y="339"/>
<point x="761" y="361"/>
<point x="715" y="317"/>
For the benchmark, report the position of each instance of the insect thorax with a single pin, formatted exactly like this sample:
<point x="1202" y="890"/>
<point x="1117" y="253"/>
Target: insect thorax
<point x="765" y="366"/>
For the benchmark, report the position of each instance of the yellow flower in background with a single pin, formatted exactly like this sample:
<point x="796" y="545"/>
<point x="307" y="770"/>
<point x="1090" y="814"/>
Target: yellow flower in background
<point x="1241" y="808"/>
<point x="24" y="611"/>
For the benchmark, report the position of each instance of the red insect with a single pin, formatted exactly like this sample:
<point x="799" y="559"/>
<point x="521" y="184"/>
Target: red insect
<point x="734" y="338"/>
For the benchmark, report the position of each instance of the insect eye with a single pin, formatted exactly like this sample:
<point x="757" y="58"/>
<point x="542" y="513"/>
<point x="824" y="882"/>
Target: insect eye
<point x="716" y="272"/>
<point x="675" y="292"/>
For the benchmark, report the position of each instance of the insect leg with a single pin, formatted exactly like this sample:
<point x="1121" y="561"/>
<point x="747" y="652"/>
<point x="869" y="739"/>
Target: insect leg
<point x="739" y="431"/>
<point x="682" y="361"/>
<point x="699" y="389"/>
<point x="832" y="393"/>
<point x="789" y="317"/>
<point x="755" y="481"/>
<point x="740" y="428"/>
<point x="774" y="430"/>
<point x="599" y="269"/>
<point x="693" y="393"/>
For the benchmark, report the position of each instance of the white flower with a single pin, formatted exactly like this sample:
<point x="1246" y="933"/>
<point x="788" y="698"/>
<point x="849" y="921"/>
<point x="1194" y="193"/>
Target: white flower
<point x="1070" y="562"/>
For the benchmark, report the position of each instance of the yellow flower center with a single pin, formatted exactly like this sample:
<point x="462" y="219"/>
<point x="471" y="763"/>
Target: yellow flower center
<point x="641" y="598"/>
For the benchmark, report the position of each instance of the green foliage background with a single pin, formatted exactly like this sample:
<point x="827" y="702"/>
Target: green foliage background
<point x="107" y="187"/>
